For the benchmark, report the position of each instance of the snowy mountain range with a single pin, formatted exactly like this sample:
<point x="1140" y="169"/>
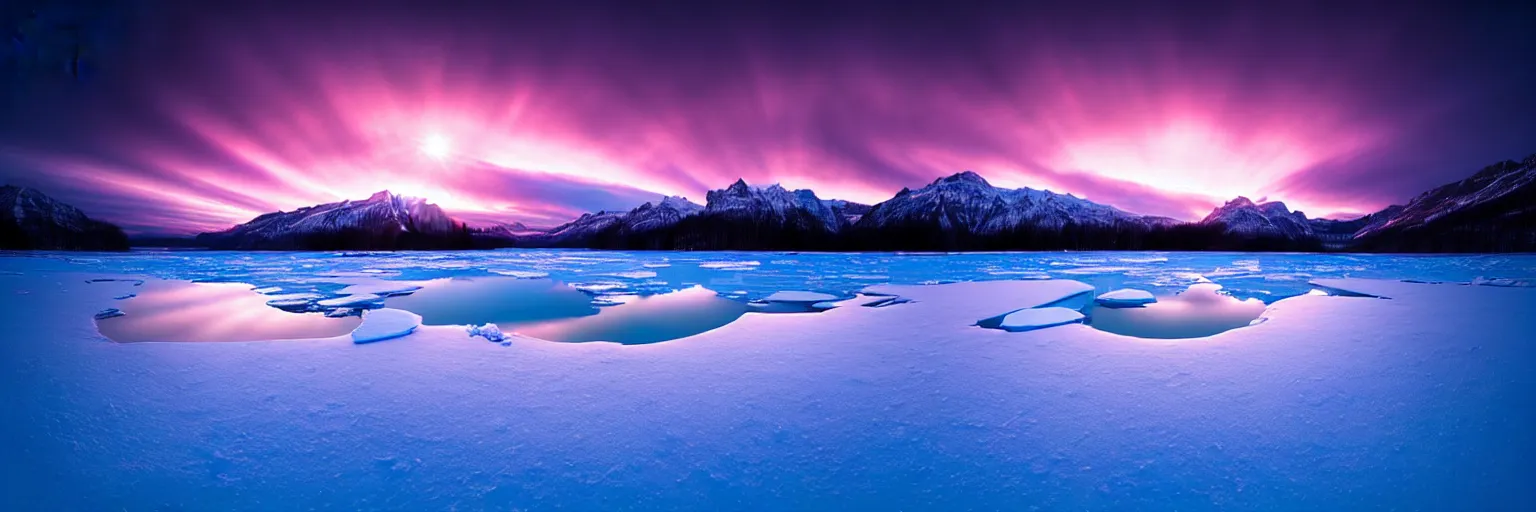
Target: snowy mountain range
<point x="384" y="221"/>
<point x="1242" y="217"/>
<point x="1490" y="211"/>
<point x="773" y="204"/>
<point x="589" y="226"/>
<point x="1340" y="234"/>
<point x="31" y="220"/>
<point x="848" y="210"/>
<point x="963" y="212"/>
<point x="966" y="202"/>
<point x="732" y="216"/>
<point x="1493" y="210"/>
<point x="743" y="216"/>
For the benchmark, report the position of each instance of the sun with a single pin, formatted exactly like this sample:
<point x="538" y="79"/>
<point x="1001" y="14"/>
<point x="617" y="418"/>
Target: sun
<point x="436" y="145"/>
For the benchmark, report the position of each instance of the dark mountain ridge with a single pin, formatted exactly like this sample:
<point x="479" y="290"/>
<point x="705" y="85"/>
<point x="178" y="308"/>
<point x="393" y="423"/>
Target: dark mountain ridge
<point x="30" y="219"/>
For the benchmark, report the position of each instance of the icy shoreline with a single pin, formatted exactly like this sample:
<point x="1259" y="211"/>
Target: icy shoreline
<point x="1420" y="401"/>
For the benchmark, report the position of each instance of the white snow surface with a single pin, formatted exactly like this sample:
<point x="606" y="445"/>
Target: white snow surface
<point x="1126" y="297"/>
<point x="1039" y="318"/>
<point x="384" y="324"/>
<point x="1421" y="402"/>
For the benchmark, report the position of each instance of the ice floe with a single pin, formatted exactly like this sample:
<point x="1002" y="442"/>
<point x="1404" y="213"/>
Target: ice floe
<point x="1020" y="274"/>
<point x="634" y="274"/>
<point x="1354" y="287"/>
<point x="299" y="301"/>
<point x="730" y="265"/>
<point x="1126" y="297"/>
<point x="1001" y="297"/>
<point x="383" y="324"/>
<point x="1499" y="281"/>
<point x="135" y="282"/>
<point x="600" y="286"/>
<point x="381" y="288"/>
<point x="350" y="300"/>
<point x="799" y="296"/>
<point x="520" y="274"/>
<point x="886" y="301"/>
<point x="1038" y="318"/>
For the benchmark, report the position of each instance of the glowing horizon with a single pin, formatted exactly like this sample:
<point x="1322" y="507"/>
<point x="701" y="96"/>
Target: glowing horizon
<point x="537" y="116"/>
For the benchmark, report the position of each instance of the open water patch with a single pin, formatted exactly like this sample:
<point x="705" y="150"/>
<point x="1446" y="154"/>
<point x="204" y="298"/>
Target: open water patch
<point x="1199" y="311"/>
<point x="185" y="311"/>
<point x="193" y="312"/>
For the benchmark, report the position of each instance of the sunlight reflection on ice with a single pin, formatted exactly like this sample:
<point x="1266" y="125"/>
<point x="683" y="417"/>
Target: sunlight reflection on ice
<point x="638" y="320"/>
<point x="184" y="311"/>
<point x="1197" y="312"/>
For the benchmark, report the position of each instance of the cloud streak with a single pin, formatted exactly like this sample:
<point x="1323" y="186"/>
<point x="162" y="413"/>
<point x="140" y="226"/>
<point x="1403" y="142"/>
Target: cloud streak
<point x="551" y="111"/>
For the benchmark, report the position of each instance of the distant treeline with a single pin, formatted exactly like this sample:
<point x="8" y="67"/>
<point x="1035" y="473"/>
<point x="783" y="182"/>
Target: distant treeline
<point x="35" y="234"/>
<point x="715" y="232"/>
<point x="351" y="239"/>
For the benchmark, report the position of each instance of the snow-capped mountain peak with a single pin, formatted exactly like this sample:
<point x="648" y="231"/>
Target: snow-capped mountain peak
<point x="382" y="221"/>
<point x="681" y="204"/>
<point x="29" y="204"/>
<point x="773" y="202"/>
<point x="966" y="201"/>
<point x="667" y="212"/>
<point x="1241" y="216"/>
<point x="964" y="177"/>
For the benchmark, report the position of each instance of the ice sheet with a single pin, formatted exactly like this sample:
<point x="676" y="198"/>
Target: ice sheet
<point x="1332" y="403"/>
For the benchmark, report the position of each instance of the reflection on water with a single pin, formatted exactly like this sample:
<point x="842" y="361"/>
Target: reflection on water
<point x="554" y="311"/>
<point x="639" y="320"/>
<point x="185" y="311"/>
<point x="1197" y="312"/>
<point x="541" y="308"/>
<point x="497" y="300"/>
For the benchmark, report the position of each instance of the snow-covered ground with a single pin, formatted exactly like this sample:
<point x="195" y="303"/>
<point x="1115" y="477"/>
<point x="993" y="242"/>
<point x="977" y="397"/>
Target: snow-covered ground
<point x="1421" y="401"/>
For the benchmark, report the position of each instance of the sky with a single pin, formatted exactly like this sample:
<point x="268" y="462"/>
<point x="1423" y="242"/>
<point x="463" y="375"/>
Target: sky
<point x="182" y="116"/>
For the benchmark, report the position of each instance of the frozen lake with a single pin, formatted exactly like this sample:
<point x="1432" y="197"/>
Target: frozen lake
<point x="1255" y="381"/>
